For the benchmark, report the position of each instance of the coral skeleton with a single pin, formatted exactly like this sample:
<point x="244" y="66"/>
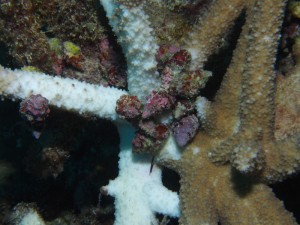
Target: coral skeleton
<point x="244" y="142"/>
<point x="139" y="194"/>
<point x="139" y="46"/>
<point x="62" y="92"/>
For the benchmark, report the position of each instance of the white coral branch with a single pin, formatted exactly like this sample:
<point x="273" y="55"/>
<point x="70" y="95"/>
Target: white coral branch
<point x="138" y="193"/>
<point x="66" y="93"/>
<point x="136" y="37"/>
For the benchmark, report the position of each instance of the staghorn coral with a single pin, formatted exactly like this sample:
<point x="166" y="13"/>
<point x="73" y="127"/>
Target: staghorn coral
<point x="237" y="139"/>
<point x="241" y="147"/>
<point x="201" y="41"/>
<point x="287" y="121"/>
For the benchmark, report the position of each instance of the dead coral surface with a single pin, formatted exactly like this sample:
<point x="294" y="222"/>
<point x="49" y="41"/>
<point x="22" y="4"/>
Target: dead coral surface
<point x="27" y="29"/>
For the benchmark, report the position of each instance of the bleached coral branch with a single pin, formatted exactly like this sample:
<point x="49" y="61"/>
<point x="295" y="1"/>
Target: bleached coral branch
<point x="136" y="37"/>
<point x="66" y="93"/>
<point x="139" y="193"/>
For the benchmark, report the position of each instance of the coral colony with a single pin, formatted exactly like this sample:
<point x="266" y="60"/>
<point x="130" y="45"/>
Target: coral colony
<point x="226" y="150"/>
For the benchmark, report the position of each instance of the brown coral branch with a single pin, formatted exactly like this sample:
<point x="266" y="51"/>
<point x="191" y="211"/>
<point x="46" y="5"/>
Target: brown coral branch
<point x="202" y="42"/>
<point x="239" y="128"/>
<point x="257" y="100"/>
<point x="228" y="97"/>
<point x="257" y="110"/>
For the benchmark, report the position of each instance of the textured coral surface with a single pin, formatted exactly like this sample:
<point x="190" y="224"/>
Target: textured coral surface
<point x="229" y="129"/>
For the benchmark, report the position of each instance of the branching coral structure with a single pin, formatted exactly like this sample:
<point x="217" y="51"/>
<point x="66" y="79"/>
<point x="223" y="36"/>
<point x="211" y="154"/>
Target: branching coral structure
<point x="227" y="160"/>
<point x="238" y="136"/>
